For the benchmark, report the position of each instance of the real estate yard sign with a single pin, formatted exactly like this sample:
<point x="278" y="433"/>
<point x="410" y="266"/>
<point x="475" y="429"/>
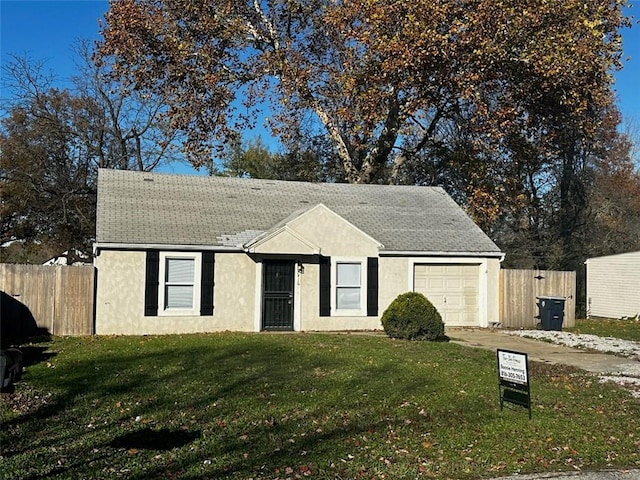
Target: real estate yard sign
<point x="513" y="379"/>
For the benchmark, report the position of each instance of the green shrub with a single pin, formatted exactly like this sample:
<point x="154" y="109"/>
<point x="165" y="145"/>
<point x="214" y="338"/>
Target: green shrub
<point x="411" y="316"/>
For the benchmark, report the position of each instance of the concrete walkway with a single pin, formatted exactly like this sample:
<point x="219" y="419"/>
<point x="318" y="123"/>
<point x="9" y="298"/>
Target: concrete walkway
<point x="492" y="339"/>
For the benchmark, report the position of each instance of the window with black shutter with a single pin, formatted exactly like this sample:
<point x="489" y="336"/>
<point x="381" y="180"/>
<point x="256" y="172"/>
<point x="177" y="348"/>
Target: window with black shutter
<point x="179" y="283"/>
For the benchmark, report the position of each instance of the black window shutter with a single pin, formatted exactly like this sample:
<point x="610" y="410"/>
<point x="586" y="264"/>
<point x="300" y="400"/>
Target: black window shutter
<point x="325" y="286"/>
<point x="372" y="286"/>
<point x="151" y="283"/>
<point x="206" y="291"/>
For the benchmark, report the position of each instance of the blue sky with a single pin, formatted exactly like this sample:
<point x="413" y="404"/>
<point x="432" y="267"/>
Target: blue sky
<point x="47" y="30"/>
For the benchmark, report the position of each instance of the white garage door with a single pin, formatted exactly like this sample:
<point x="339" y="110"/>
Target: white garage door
<point x="453" y="290"/>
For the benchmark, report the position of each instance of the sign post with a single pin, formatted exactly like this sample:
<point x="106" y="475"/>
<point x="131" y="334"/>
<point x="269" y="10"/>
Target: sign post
<point x="513" y="379"/>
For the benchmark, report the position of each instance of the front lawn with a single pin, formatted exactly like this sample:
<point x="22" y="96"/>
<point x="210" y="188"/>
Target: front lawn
<point x="300" y="405"/>
<point x="624" y="329"/>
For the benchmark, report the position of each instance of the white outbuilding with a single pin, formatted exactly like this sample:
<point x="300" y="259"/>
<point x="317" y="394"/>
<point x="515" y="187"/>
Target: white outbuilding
<point x="613" y="286"/>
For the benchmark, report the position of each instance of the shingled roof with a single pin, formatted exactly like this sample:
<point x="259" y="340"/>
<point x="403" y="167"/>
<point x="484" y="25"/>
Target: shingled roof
<point x="180" y="210"/>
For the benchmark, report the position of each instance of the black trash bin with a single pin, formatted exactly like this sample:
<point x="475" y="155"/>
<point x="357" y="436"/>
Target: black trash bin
<point x="551" y="312"/>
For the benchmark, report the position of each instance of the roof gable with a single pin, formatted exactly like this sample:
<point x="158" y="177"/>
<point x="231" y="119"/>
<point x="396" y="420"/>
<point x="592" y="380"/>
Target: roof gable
<point x="305" y="232"/>
<point x="136" y="208"/>
<point x="283" y="240"/>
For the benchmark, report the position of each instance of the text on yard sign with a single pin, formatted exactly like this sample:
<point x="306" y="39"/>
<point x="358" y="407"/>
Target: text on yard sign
<point x="512" y="367"/>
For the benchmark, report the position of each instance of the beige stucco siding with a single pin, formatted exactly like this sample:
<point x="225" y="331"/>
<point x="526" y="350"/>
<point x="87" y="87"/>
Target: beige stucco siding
<point x="396" y="277"/>
<point x="324" y="232"/>
<point x="120" y="297"/>
<point x="285" y="241"/>
<point x="393" y="280"/>
<point x="310" y="320"/>
<point x="234" y="297"/>
<point x="120" y="292"/>
<point x="333" y="234"/>
<point x="238" y="291"/>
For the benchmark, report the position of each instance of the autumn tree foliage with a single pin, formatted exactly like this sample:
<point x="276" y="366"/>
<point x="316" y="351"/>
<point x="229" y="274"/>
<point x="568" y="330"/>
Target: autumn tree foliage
<point x="567" y="207"/>
<point x="385" y="81"/>
<point x="46" y="183"/>
<point x="614" y="199"/>
<point x="253" y="159"/>
<point x="52" y="142"/>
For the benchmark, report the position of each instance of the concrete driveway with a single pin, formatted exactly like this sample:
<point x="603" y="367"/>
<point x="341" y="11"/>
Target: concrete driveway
<point x="492" y="339"/>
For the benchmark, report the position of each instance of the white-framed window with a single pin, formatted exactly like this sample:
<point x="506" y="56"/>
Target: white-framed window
<point x="179" y="285"/>
<point x="348" y="287"/>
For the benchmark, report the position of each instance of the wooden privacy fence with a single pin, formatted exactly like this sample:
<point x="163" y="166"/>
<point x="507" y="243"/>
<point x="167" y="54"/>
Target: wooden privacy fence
<point x="519" y="290"/>
<point x="58" y="298"/>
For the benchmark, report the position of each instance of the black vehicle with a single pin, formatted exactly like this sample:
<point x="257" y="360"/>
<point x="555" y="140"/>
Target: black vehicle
<point x="10" y="367"/>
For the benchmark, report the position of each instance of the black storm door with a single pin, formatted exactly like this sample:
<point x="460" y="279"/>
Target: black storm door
<point x="277" y="295"/>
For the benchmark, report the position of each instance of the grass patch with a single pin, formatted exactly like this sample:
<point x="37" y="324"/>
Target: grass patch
<point x="303" y="405"/>
<point x="623" y="329"/>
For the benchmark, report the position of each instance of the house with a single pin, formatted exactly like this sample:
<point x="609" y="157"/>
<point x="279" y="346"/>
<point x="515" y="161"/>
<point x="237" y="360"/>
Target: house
<point x="178" y="254"/>
<point x="75" y="256"/>
<point x="613" y="286"/>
